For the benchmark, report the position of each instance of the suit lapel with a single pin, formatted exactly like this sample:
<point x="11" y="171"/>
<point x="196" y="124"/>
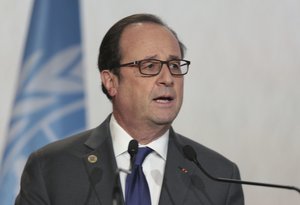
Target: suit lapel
<point x="100" y="163"/>
<point x="101" y="166"/>
<point x="177" y="174"/>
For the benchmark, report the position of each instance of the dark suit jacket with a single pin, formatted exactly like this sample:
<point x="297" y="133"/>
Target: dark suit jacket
<point x="61" y="174"/>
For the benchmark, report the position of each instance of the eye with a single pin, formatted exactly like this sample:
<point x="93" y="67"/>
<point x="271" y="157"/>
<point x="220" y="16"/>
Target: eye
<point x="174" y="65"/>
<point x="149" y="65"/>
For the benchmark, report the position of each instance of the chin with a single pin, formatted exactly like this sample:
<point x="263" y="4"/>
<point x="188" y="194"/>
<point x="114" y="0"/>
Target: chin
<point x="164" y="120"/>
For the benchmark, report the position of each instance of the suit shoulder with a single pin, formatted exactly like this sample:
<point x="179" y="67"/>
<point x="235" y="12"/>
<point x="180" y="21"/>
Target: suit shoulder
<point x="67" y="144"/>
<point x="205" y="154"/>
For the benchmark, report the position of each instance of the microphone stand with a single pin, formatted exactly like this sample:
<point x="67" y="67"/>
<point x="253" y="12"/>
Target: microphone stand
<point x="191" y="155"/>
<point x="236" y="181"/>
<point x="117" y="192"/>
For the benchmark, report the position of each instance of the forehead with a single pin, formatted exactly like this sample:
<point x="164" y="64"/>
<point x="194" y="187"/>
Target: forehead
<point x="142" y="40"/>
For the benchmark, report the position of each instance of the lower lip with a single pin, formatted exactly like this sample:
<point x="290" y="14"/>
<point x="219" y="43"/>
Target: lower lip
<point x="164" y="102"/>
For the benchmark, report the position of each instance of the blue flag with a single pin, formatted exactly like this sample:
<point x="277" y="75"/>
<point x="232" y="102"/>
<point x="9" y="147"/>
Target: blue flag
<point x="49" y="102"/>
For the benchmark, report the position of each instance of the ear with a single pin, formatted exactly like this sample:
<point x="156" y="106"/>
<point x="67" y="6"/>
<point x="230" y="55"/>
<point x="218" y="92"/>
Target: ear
<point x="110" y="82"/>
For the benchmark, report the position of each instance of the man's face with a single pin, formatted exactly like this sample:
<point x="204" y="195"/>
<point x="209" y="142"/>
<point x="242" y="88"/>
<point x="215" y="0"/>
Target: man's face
<point x="154" y="100"/>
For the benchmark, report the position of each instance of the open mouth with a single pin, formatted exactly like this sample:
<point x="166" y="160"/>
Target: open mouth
<point x="163" y="99"/>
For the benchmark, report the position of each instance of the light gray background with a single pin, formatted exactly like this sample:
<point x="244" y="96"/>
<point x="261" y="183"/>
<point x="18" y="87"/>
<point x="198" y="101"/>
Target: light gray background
<point x="242" y="95"/>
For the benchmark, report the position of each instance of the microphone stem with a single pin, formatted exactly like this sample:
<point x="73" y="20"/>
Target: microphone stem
<point x="244" y="182"/>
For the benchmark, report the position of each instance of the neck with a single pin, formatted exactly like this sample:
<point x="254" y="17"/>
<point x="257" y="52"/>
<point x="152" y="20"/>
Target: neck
<point x="144" y="133"/>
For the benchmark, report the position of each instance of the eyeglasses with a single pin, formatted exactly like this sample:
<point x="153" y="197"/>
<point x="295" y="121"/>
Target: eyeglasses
<point x="152" y="67"/>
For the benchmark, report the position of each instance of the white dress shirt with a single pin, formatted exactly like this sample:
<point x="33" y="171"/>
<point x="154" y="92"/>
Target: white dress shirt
<point x="153" y="165"/>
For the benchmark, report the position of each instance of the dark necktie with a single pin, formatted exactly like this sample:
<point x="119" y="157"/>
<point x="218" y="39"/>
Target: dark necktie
<point x="137" y="190"/>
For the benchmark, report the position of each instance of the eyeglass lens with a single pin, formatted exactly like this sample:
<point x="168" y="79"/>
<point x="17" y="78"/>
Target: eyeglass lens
<point x="153" y="67"/>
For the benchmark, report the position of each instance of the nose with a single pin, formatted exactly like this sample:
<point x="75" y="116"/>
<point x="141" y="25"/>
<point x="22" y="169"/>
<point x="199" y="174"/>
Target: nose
<point x="165" y="77"/>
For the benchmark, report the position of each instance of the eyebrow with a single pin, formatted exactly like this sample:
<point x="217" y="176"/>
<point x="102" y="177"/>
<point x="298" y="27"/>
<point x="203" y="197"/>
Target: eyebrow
<point x="151" y="57"/>
<point x="171" y="57"/>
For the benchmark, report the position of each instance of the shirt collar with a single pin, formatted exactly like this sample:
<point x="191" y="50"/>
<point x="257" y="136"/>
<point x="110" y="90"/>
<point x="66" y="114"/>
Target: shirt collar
<point x="121" y="140"/>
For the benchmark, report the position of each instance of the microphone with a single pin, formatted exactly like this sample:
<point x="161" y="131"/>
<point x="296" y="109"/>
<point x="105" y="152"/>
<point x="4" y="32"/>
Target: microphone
<point x="117" y="193"/>
<point x="191" y="155"/>
<point x="132" y="150"/>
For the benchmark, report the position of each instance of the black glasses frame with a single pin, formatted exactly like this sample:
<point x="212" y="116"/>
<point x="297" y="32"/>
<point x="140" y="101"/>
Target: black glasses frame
<point x="138" y="64"/>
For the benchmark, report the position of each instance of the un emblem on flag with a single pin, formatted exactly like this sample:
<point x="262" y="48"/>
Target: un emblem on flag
<point x="49" y="106"/>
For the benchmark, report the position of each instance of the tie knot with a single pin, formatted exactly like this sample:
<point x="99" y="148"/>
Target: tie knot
<point x="141" y="155"/>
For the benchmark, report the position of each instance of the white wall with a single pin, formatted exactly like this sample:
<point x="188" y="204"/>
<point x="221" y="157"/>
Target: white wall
<point x="242" y="95"/>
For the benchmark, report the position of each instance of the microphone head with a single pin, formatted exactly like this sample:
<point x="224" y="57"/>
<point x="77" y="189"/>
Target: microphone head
<point x="189" y="153"/>
<point x="133" y="148"/>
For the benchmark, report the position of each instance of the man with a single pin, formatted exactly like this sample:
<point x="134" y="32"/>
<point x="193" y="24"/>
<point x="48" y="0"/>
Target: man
<point x="142" y="68"/>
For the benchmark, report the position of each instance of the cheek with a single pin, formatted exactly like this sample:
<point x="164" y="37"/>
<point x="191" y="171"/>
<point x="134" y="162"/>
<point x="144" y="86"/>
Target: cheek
<point x="144" y="92"/>
<point x="135" y="92"/>
<point x="179" y="87"/>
